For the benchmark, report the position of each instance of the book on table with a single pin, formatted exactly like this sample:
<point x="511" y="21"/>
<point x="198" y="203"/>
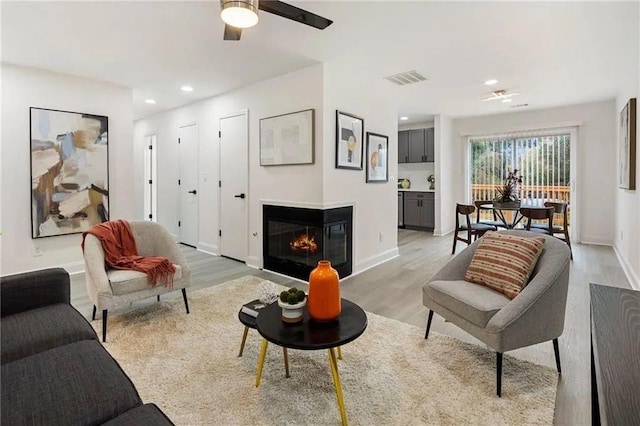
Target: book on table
<point x="252" y="308"/>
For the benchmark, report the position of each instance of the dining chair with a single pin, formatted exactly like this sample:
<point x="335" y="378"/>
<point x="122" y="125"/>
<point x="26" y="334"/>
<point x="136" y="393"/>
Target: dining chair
<point x="471" y="228"/>
<point x="561" y="208"/>
<point x="495" y="222"/>
<point x="539" y="213"/>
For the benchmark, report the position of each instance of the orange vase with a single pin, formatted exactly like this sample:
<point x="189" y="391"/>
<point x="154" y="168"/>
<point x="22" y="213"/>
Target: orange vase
<point x="324" y="302"/>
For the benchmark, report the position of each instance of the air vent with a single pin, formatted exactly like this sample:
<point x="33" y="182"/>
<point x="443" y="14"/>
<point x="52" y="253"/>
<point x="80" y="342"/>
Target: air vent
<point x="405" y="78"/>
<point x="519" y="106"/>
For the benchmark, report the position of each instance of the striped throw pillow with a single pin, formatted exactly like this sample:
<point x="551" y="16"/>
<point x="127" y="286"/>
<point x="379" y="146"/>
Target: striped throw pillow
<point x="504" y="262"/>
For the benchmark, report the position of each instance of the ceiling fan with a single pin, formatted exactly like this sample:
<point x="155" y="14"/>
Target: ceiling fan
<point x="239" y="14"/>
<point x="500" y="95"/>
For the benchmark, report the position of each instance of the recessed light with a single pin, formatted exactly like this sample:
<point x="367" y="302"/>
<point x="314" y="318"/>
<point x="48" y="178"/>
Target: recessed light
<point x="186" y="89"/>
<point x="507" y="100"/>
<point x="150" y="101"/>
<point x="404" y="118"/>
<point x="491" y="82"/>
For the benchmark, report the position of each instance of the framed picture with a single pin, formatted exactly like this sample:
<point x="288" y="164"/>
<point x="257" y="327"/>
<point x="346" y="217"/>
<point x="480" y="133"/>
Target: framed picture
<point x="627" y="136"/>
<point x="69" y="171"/>
<point x="287" y="139"/>
<point x="377" y="158"/>
<point x="349" y="141"/>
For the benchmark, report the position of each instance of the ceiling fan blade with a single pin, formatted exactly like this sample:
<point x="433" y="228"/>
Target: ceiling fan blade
<point x="232" y="33"/>
<point x="294" y="13"/>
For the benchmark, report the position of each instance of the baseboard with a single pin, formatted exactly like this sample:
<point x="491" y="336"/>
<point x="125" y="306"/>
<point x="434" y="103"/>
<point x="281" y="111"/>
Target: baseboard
<point x="73" y="268"/>
<point x="441" y="233"/>
<point x="373" y="261"/>
<point x="254" y="262"/>
<point x="626" y="267"/>
<point x="207" y="248"/>
<point x="596" y="241"/>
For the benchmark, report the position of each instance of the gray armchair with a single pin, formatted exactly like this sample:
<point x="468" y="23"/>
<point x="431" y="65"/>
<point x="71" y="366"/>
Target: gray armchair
<point x="536" y="315"/>
<point x="113" y="288"/>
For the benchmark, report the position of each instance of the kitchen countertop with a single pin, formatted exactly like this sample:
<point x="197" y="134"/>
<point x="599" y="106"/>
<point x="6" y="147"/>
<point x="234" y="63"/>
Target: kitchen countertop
<point x="416" y="190"/>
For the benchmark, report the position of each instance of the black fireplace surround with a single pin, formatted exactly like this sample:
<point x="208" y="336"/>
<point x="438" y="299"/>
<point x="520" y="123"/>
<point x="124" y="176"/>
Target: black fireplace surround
<point x="295" y="239"/>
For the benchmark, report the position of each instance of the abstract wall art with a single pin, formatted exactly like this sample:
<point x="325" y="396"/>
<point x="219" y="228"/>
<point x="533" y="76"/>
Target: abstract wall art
<point x="69" y="171"/>
<point x="627" y="156"/>
<point x="349" y="141"/>
<point x="377" y="158"/>
<point x="287" y="139"/>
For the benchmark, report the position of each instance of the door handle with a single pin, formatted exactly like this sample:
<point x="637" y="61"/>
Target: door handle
<point x="240" y="196"/>
<point x="192" y="192"/>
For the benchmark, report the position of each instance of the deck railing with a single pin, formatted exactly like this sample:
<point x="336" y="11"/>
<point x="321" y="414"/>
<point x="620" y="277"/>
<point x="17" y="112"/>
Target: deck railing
<point x="547" y="193"/>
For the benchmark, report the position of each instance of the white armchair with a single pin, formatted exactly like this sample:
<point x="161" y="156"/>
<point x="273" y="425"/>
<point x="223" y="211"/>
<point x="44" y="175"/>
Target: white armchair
<point x="113" y="288"/>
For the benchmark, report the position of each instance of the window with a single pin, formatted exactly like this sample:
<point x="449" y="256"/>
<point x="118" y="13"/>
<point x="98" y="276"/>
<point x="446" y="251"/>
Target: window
<point x="544" y="161"/>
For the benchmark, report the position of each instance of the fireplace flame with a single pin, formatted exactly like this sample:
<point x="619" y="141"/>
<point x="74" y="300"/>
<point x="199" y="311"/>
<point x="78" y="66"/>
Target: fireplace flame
<point x="304" y="244"/>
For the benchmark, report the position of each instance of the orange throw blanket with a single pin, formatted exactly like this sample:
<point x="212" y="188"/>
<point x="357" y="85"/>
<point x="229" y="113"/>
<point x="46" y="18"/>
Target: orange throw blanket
<point x="121" y="253"/>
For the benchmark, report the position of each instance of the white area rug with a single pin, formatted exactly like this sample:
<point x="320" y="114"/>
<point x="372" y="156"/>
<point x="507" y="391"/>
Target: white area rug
<point x="188" y="366"/>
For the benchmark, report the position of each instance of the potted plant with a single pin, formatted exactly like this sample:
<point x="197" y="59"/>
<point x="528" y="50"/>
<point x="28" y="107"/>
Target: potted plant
<point x="292" y="302"/>
<point x="508" y="192"/>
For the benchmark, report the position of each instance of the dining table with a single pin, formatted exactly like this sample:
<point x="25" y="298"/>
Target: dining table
<point x="512" y="208"/>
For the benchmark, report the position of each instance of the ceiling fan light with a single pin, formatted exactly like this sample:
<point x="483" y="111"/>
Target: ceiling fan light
<point x="239" y="13"/>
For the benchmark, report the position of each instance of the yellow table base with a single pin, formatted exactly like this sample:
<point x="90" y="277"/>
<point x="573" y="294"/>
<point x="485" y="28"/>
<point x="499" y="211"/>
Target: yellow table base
<point x="333" y="363"/>
<point x="336" y="383"/>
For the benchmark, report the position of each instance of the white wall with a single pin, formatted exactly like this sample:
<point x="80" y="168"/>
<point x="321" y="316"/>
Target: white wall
<point x="595" y="165"/>
<point x="315" y="186"/>
<point x="627" y="203"/>
<point x="447" y="168"/>
<point x="27" y="87"/>
<point x="376" y="204"/>
<point x="417" y="173"/>
<point x="291" y="92"/>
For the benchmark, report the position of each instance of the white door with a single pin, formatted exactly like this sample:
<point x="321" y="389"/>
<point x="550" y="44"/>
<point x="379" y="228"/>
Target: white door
<point x="188" y="185"/>
<point x="150" y="199"/>
<point x="234" y="142"/>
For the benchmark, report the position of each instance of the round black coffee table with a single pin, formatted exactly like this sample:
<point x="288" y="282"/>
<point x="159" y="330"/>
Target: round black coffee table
<point x="311" y="335"/>
<point x="250" y="322"/>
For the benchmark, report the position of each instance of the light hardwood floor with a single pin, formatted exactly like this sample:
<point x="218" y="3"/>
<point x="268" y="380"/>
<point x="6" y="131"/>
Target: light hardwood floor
<point x="421" y="255"/>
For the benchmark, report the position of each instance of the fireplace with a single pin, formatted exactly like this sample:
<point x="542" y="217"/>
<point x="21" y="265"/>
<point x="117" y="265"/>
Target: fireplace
<point x="295" y="239"/>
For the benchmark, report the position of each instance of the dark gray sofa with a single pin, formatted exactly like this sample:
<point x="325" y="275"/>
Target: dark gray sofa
<point x="54" y="369"/>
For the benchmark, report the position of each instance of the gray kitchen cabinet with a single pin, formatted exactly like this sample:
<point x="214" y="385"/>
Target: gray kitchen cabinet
<point x="419" y="210"/>
<point x="403" y="146"/>
<point x="429" y="210"/>
<point x="411" y="209"/>
<point x="416" y="146"/>
<point x="430" y="145"/>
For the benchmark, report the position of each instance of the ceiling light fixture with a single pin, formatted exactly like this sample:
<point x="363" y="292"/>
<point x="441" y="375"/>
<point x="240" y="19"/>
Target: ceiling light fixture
<point x="186" y="89"/>
<point x="404" y="118"/>
<point x="150" y="101"/>
<point x="500" y="94"/>
<point x="491" y="82"/>
<point x="239" y="13"/>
